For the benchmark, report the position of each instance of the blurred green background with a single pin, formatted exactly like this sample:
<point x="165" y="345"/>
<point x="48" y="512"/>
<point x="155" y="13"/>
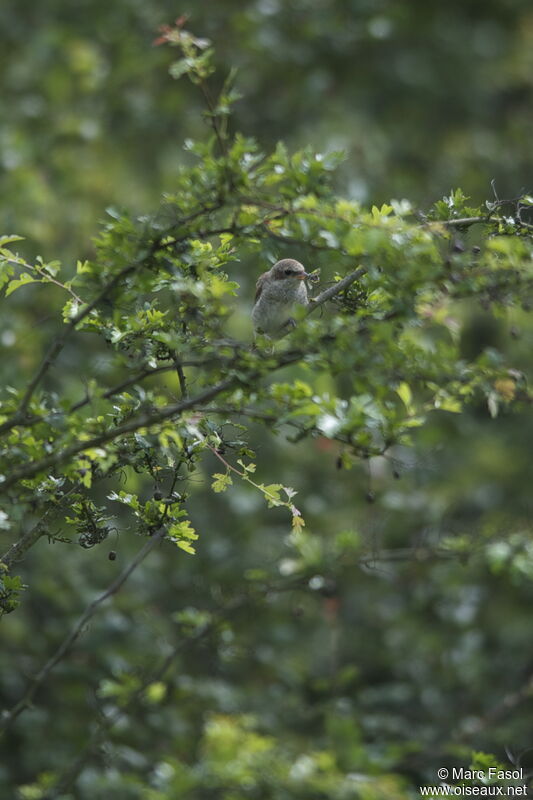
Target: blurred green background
<point x="393" y="664"/>
<point x="421" y="97"/>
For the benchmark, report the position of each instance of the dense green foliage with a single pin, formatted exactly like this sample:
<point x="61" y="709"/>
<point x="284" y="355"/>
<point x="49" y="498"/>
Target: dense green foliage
<point x="298" y="569"/>
<point x="421" y="98"/>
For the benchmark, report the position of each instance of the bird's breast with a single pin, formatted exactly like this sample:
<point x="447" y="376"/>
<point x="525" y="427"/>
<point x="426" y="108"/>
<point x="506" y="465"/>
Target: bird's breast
<point x="275" y="304"/>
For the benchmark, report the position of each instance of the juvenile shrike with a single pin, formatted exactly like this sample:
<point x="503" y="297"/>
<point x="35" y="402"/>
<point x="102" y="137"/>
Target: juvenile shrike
<point x="277" y="292"/>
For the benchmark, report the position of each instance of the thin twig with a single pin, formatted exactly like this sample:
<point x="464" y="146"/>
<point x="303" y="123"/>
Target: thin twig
<point x="47" y="278"/>
<point x="178" y="365"/>
<point x="29" y="421"/>
<point x="60" y="341"/>
<point x="213" y="118"/>
<point x="334" y="290"/>
<point x="147" y="373"/>
<point x="69" y="776"/>
<point x="175" y="409"/>
<point x="498" y="711"/>
<point x="22" y="545"/>
<point x="293" y="240"/>
<point x="56" y="348"/>
<point x="108" y="722"/>
<point x="143" y="421"/>
<point x="9" y="716"/>
<point x="466" y="222"/>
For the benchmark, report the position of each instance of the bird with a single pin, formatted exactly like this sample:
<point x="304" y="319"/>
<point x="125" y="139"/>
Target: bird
<point x="278" y="290"/>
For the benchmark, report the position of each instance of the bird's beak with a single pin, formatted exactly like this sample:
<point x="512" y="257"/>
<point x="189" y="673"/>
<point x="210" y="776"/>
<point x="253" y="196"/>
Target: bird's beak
<point x="303" y="276"/>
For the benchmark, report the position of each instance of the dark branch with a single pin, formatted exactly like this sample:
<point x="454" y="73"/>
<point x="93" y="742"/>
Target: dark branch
<point x="9" y="716"/>
<point x="145" y="420"/>
<point x="466" y="222"/>
<point x="56" y="348"/>
<point x="334" y="290"/>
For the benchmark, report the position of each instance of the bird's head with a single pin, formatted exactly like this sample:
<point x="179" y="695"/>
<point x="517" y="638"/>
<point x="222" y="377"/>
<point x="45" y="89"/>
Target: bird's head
<point x="288" y="269"/>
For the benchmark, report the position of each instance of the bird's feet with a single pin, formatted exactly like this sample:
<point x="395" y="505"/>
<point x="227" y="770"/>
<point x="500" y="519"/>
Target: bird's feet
<point x="287" y="326"/>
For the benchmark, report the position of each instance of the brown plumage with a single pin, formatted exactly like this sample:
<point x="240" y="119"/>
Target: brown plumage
<point x="277" y="291"/>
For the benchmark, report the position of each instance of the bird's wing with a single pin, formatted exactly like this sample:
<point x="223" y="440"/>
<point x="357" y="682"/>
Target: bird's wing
<point x="259" y="286"/>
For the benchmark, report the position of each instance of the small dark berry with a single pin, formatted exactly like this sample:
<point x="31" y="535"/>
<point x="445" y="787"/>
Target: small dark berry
<point x="157" y="495"/>
<point x="370" y="497"/>
<point x="112" y="555"/>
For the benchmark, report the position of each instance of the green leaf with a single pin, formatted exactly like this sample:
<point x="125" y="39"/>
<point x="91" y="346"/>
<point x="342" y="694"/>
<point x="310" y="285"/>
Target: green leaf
<point x="221" y="482"/>
<point x="451" y="404"/>
<point x="127" y="498"/>
<point x="70" y="310"/>
<point x="246" y="467"/>
<point x="24" y="279"/>
<point x="183" y="529"/>
<point x="7" y="270"/>
<point x="272" y="494"/>
<point x="405" y="394"/>
<point x="10" y="238"/>
<point x="181" y="67"/>
<point x="187" y="547"/>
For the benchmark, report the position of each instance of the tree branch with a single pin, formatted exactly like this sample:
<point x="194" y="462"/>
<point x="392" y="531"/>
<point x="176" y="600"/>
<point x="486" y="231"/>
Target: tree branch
<point x="58" y="458"/>
<point x="47" y="278"/>
<point x="27" y="540"/>
<point x="178" y="366"/>
<point x="144" y="421"/>
<point x="56" y="348"/>
<point x="334" y="290"/>
<point x="147" y="373"/>
<point x="293" y="240"/>
<point x="69" y="776"/>
<point x="9" y="716"/>
<point x="466" y="222"/>
<point x="23" y="544"/>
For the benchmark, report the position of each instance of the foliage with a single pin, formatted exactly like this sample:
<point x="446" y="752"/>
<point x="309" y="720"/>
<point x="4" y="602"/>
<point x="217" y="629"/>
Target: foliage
<point x="150" y="383"/>
<point x="421" y="97"/>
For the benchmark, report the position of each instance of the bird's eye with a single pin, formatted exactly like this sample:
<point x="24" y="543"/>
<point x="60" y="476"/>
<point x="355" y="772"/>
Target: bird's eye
<point x="289" y="272"/>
